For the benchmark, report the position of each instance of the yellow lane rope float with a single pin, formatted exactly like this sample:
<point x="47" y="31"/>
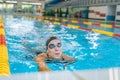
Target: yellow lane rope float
<point x="64" y="20"/>
<point x="4" y="65"/>
<point x="103" y="32"/>
<point x="58" y="23"/>
<point x="73" y="26"/>
<point x="106" y="25"/>
<point x="87" y="23"/>
<point x="46" y="21"/>
<point x="74" y="21"/>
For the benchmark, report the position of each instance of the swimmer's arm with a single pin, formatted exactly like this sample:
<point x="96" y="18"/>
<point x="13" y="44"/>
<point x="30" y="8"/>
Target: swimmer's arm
<point x="43" y="67"/>
<point x="40" y="60"/>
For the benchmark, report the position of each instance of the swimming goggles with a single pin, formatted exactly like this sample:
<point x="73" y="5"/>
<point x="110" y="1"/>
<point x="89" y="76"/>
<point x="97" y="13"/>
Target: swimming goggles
<point x="51" y="46"/>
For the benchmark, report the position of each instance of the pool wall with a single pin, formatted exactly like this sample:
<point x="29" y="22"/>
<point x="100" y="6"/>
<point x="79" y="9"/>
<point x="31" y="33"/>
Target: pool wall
<point x="98" y="74"/>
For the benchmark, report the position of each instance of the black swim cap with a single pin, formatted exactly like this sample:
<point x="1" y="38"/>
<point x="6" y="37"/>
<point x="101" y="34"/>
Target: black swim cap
<point x="50" y="39"/>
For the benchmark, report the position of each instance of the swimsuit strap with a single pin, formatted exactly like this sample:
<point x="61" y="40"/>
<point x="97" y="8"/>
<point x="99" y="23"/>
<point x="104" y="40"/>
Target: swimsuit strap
<point x="63" y="58"/>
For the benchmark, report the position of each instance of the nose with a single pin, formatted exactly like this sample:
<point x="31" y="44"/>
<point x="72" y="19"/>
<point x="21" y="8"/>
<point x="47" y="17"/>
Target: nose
<point x="56" y="48"/>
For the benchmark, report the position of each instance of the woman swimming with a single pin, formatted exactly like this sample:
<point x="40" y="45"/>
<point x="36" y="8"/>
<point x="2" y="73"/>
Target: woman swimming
<point x="54" y="51"/>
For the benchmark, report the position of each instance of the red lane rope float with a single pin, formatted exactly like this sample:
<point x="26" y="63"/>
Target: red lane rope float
<point x="112" y="23"/>
<point x="2" y="40"/>
<point x="1" y="26"/>
<point x="80" y="22"/>
<point x="116" y="27"/>
<point x="88" y="29"/>
<point x="69" y="20"/>
<point x="96" y="23"/>
<point x="64" y="24"/>
<point x="117" y="35"/>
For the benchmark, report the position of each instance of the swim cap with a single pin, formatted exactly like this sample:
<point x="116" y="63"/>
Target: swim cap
<point x="50" y="39"/>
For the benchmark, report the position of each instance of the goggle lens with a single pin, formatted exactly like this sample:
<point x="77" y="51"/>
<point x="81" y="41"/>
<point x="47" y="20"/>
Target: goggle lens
<point x="51" y="46"/>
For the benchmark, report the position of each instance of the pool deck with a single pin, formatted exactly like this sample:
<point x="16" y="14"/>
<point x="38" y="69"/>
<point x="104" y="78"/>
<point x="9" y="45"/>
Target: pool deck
<point x="96" y="74"/>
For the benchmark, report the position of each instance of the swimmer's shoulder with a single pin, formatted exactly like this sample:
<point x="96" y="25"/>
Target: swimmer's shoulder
<point x="66" y="57"/>
<point x="42" y="56"/>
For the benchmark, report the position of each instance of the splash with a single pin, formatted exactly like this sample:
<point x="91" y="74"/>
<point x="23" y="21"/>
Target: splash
<point x="19" y="27"/>
<point x="92" y="38"/>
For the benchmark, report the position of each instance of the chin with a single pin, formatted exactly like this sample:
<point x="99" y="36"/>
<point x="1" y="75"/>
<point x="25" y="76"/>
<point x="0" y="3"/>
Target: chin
<point x="57" y="57"/>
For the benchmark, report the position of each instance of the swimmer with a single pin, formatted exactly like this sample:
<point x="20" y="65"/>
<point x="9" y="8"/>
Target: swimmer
<point x="53" y="51"/>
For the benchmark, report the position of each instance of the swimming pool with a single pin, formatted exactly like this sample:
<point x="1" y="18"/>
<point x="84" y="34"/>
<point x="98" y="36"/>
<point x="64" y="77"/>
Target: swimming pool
<point x="92" y="50"/>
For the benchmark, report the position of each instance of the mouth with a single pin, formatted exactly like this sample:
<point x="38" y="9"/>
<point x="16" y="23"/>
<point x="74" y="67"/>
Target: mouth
<point x="57" y="54"/>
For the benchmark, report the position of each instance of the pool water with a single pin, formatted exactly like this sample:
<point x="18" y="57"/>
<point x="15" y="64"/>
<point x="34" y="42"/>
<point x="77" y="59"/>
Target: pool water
<point x="91" y="50"/>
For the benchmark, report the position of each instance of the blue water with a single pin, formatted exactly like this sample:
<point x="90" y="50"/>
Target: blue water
<point x="25" y="37"/>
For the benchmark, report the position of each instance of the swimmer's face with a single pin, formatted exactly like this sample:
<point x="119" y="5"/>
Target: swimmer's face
<point x="55" y="48"/>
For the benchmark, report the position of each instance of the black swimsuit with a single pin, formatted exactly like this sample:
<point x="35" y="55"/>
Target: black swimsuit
<point x="59" y="61"/>
<point x="55" y="60"/>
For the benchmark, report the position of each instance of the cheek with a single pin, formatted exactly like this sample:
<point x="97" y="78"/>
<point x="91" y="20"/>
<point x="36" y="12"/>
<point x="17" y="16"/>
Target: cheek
<point x="60" y="49"/>
<point x="51" y="50"/>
